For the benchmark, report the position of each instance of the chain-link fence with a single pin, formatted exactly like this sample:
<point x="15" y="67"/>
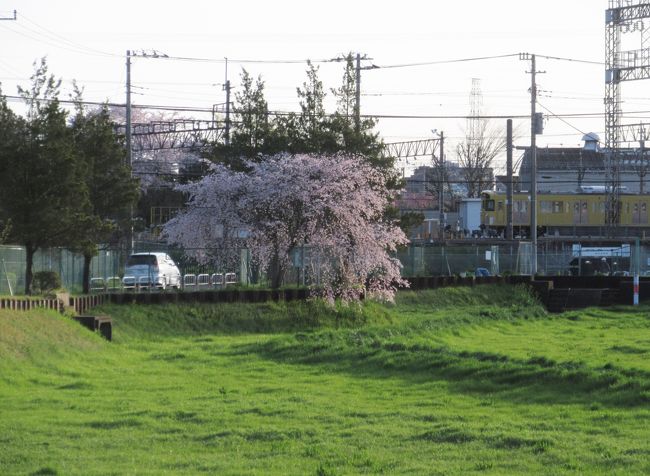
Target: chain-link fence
<point x="553" y="258"/>
<point x="108" y="265"/>
<point x="68" y="265"/>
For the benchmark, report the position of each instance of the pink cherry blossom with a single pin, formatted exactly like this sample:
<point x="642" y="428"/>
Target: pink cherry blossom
<point x="331" y="206"/>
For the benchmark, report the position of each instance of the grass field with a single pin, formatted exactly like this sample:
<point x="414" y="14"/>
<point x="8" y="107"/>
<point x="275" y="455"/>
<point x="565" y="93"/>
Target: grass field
<point x="454" y="381"/>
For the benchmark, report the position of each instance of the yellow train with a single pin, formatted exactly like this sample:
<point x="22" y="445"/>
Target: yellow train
<point x="564" y="214"/>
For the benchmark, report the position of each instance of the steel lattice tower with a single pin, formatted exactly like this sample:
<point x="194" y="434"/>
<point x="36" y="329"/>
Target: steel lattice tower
<point x="474" y="121"/>
<point x="622" y="17"/>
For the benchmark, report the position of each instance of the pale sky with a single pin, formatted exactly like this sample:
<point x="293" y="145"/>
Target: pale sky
<point x="87" y="41"/>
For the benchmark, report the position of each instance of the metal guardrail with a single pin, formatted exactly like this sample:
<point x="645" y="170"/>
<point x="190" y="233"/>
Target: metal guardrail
<point x="189" y="282"/>
<point x="203" y="280"/>
<point x="97" y="285"/>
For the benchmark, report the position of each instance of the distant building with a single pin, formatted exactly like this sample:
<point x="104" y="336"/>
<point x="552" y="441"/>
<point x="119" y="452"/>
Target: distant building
<point x="500" y="182"/>
<point x="426" y="179"/>
<point x="571" y="169"/>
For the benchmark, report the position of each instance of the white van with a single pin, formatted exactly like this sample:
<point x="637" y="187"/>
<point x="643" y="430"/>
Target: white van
<point x="156" y="270"/>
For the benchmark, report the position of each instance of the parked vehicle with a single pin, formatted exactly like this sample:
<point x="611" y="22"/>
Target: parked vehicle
<point x="151" y="270"/>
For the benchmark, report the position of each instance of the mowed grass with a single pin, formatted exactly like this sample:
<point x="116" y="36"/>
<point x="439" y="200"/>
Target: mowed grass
<point x="455" y="381"/>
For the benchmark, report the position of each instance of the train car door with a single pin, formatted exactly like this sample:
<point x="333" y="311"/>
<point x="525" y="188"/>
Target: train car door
<point x="520" y="212"/>
<point x="639" y="213"/>
<point x="580" y="212"/>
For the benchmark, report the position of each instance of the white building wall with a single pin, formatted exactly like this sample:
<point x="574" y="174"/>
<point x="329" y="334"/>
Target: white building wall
<point x="469" y="214"/>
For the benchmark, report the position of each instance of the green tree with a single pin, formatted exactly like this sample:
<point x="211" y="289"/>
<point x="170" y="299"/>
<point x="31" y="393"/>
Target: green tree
<point x="253" y="134"/>
<point x="356" y="136"/>
<point x="112" y="192"/>
<point x="12" y="129"/>
<point x="42" y="190"/>
<point x="310" y="131"/>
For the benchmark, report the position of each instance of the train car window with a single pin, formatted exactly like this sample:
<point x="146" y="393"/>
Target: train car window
<point x="500" y="206"/>
<point x="557" y="207"/>
<point x="545" y="206"/>
<point x="488" y="205"/>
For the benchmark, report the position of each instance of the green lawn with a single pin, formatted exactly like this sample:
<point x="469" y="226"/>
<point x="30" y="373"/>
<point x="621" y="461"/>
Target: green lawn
<point x="454" y="381"/>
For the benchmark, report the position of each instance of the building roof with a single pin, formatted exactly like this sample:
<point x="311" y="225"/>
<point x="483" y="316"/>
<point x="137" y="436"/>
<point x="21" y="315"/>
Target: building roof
<point x="565" y="158"/>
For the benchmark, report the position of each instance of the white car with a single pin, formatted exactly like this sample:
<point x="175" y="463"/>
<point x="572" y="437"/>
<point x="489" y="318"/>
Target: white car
<point x="156" y="270"/>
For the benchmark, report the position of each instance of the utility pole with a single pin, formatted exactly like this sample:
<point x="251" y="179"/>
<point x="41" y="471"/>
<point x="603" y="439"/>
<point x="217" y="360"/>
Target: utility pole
<point x="128" y="108"/>
<point x="509" y="184"/>
<point x="642" y="169"/>
<point x="226" y="88"/>
<point x="441" y="191"/>
<point x="533" y="164"/>
<point x="227" y="128"/>
<point x="535" y="128"/>
<point x="357" y="106"/>
<point x="129" y="157"/>
<point x="357" y="70"/>
<point x="129" y="142"/>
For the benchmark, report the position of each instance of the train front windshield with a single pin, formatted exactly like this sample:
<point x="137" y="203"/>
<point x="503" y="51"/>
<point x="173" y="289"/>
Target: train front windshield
<point x="487" y="203"/>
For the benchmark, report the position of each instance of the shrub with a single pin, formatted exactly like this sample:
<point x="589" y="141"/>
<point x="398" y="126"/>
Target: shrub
<point x="46" y="281"/>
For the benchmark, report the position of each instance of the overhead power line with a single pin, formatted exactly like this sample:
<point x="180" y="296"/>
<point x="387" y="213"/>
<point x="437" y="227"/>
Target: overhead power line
<point x="561" y="119"/>
<point x="485" y="58"/>
<point x="573" y="60"/>
<point x="233" y="60"/>
<point x="63" y="40"/>
<point x="449" y="61"/>
<point x="160" y="107"/>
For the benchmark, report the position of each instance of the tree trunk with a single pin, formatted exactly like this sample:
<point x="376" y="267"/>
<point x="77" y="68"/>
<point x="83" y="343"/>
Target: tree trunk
<point x="29" y="251"/>
<point x="86" y="273"/>
<point x="277" y="271"/>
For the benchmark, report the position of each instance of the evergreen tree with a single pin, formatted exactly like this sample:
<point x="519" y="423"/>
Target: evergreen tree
<point x="253" y="134"/>
<point x="42" y="190"/>
<point x="111" y="190"/>
<point x="310" y="131"/>
<point x="12" y="131"/>
<point x="356" y="137"/>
